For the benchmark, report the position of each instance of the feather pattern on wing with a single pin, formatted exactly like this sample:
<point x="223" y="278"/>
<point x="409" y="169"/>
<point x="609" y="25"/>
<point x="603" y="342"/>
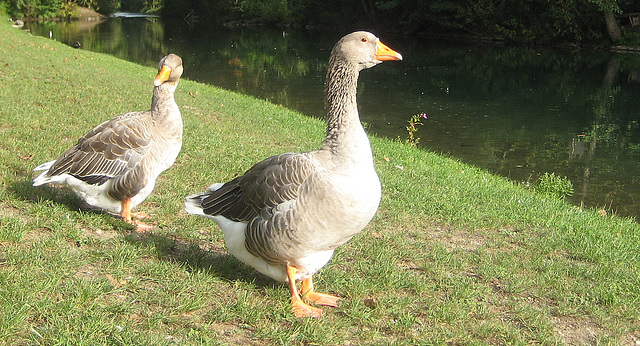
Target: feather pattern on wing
<point x="265" y="185"/>
<point x="109" y="150"/>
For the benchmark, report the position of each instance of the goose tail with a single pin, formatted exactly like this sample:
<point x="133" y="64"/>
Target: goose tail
<point x="193" y="203"/>
<point x="43" y="178"/>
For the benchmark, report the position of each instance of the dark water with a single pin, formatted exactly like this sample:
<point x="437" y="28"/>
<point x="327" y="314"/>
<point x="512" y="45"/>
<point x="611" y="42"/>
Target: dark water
<point x="515" y="111"/>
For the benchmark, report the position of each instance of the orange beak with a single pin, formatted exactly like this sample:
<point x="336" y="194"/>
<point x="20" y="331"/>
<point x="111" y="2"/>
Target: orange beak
<point x="162" y="76"/>
<point x="384" y="53"/>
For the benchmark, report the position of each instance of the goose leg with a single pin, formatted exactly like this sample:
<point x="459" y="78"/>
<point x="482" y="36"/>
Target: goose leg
<point x="126" y="215"/>
<point x="126" y="210"/>
<point x="317" y="298"/>
<point x="300" y="308"/>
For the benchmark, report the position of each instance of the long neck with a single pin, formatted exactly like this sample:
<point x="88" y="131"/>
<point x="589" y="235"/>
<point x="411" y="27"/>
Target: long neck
<point x="163" y="105"/>
<point x="345" y="136"/>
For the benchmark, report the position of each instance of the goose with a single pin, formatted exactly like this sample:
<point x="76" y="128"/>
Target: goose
<point x="114" y="166"/>
<point x="287" y="214"/>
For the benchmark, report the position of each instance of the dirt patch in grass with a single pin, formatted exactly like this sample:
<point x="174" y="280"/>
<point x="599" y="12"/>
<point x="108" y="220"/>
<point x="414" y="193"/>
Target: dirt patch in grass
<point x="16" y="213"/>
<point x="87" y="271"/>
<point x="574" y="330"/>
<point x="8" y="211"/>
<point x="235" y="335"/>
<point x="36" y="235"/>
<point x="577" y="330"/>
<point x="463" y="241"/>
<point x="456" y="239"/>
<point x="100" y="234"/>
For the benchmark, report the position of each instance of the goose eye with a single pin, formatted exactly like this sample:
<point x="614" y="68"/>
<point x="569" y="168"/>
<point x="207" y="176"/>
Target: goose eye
<point x="364" y="39"/>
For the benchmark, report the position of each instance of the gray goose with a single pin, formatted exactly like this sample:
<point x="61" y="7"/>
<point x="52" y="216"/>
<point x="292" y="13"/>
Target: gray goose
<point x="114" y="166"/>
<point x="287" y="214"/>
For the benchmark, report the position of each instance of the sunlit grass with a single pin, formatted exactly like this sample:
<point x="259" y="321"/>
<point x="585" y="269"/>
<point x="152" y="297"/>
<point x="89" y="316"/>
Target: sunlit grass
<point x="454" y="255"/>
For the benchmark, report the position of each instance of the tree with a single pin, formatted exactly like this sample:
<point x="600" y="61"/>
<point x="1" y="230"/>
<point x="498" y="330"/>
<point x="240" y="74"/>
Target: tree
<point x="612" y="26"/>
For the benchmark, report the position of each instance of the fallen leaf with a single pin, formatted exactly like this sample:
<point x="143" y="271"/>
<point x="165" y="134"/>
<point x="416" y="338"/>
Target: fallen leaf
<point x="115" y="283"/>
<point x="371" y="302"/>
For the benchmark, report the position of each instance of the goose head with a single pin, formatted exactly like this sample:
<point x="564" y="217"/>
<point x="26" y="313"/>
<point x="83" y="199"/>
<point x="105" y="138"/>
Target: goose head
<point x="363" y="49"/>
<point x="169" y="70"/>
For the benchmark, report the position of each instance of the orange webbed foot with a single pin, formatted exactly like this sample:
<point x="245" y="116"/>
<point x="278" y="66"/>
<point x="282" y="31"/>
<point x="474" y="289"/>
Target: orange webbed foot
<point x="300" y="308"/>
<point x="321" y="299"/>
<point x="303" y="310"/>
<point x="314" y="297"/>
<point x="128" y="216"/>
<point x="142" y="227"/>
<point x="140" y="215"/>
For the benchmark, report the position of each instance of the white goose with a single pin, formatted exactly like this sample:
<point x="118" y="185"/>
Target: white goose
<point x="114" y="167"/>
<point x="286" y="215"/>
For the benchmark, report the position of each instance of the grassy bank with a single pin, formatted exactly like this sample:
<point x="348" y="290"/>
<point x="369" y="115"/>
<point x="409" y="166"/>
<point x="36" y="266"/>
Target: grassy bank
<point x="454" y="255"/>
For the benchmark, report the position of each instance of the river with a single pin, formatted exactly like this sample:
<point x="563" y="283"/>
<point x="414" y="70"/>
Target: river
<point x="515" y="111"/>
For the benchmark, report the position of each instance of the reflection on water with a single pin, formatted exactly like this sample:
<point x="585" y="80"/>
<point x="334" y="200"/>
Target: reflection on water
<point x="518" y="112"/>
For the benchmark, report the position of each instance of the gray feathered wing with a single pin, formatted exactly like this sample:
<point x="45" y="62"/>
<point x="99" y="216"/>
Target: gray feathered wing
<point x="111" y="150"/>
<point x="265" y="198"/>
<point x="264" y="186"/>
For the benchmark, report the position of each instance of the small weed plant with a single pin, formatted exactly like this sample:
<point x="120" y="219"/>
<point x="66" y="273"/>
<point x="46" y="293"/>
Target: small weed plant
<point x="412" y="128"/>
<point x="554" y="185"/>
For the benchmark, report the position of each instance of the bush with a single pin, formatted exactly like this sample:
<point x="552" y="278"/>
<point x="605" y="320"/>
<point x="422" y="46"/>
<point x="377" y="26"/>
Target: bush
<point x="553" y="185"/>
<point x="68" y="10"/>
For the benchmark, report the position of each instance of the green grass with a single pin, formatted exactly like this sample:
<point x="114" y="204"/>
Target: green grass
<point x="454" y="255"/>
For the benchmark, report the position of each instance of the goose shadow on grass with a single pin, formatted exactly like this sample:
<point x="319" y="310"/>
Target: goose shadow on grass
<point x="64" y="197"/>
<point x="207" y="257"/>
<point x="23" y="190"/>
